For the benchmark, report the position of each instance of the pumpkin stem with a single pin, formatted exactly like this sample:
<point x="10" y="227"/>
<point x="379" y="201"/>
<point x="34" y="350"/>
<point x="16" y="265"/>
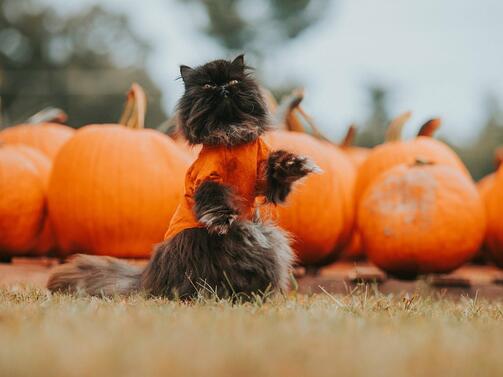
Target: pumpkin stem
<point x="430" y="127"/>
<point x="498" y="157"/>
<point x="349" y="139"/>
<point x="48" y="115"/>
<point x="286" y="106"/>
<point x="134" y="110"/>
<point x="394" y="132"/>
<point x="296" y="119"/>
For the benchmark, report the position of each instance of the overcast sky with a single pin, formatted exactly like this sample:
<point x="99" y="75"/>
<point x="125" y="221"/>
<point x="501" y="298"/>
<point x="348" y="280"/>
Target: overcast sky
<point x="439" y="58"/>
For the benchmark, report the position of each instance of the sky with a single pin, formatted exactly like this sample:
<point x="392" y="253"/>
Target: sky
<point x="438" y="57"/>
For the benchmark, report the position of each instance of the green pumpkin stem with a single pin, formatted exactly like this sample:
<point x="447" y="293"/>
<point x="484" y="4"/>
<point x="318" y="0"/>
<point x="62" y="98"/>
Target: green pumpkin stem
<point x="394" y="132"/>
<point x="134" y="111"/>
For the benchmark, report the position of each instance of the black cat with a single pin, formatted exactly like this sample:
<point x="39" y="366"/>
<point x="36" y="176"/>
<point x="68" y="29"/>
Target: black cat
<point x="216" y="242"/>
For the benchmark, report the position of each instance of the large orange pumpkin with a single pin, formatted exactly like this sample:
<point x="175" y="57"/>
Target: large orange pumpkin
<point x="421" y="218"/>
<point x="46" y="136"/>
<point x="319" y="212"/>
<point x="395" y="151"/>
<point x="114" y="187"/>
<point x="24" y="225"/>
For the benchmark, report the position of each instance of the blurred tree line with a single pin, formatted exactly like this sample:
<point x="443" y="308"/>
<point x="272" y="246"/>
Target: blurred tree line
<point x="81" y="63"/>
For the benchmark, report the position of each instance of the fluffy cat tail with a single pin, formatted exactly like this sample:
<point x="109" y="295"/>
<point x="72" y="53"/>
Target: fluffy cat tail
<point x="95" y="276"/>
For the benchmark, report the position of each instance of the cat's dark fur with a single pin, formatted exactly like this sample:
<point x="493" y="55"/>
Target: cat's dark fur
<point x="230" y="256"/>
<point x="222" y="104"/>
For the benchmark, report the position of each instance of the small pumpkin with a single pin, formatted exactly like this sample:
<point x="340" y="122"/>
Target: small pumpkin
<point x="40" y="132"/>
<point x="24" y="224"/>
<point x="396" y="151"/>
<point x="114" y="187"/>
<point x="421" y="218"/>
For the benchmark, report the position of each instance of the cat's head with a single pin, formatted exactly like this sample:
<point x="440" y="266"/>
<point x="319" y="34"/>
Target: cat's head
<point x="222" y="104"/>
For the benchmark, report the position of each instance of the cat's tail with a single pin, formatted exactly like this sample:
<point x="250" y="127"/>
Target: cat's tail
<point x="95" y="276"/>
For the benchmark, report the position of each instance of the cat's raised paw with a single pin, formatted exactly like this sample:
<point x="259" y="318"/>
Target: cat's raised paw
<point x="286" y="166"/>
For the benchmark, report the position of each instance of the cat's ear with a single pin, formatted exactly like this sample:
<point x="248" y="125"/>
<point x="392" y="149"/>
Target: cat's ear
<point x="185" y="71"/>
<point x="239" y="61"/>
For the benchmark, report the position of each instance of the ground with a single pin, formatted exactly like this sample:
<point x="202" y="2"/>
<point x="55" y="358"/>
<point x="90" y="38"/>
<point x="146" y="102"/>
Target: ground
<point x="359" y="333"/>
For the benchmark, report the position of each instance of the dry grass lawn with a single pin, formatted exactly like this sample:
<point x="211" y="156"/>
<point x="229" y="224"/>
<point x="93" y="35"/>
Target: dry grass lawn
<point x="358" y="334"/>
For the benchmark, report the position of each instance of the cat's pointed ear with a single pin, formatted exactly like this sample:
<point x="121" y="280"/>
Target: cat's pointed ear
<point x="239" y="61"/>
<point x="185" y="71"/>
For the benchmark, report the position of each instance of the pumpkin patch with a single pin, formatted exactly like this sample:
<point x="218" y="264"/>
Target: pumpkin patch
<point x="110" y="189"/>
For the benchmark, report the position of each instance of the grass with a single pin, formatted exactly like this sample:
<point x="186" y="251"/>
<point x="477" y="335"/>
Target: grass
<point x="362" y="333"/>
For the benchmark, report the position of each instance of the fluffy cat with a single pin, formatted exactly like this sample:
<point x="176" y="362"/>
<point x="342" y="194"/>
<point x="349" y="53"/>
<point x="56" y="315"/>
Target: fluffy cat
<point x="216" y="242"/>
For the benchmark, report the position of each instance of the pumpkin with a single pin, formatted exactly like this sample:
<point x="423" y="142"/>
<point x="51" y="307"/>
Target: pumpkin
<point x="24" y="224"/>
<point x="421" y="218"/>
<point x="396" y="151"/>
<point x="357" y="155"/>
<point x="41" y="133"/>
<point x="491" y="188"/>
<point x="114" y="187"/>
<point x="319" y="212"/>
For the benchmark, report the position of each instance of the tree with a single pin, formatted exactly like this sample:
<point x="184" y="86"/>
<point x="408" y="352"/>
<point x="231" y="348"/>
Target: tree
<point x="82" y="63"/>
